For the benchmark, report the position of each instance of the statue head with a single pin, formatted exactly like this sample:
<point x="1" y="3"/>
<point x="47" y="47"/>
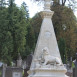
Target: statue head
<point x="45" y="50"/>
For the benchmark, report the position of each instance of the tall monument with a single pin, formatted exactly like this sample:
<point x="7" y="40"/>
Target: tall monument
<point x="46" y="60"/>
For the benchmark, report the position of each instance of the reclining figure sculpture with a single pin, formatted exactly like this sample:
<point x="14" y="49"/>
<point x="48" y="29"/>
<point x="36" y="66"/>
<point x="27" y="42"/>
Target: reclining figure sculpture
<point x="48" y="59"/>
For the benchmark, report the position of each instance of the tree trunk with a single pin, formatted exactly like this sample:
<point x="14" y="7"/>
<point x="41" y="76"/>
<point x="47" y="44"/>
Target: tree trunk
<point x="63" y="2"/>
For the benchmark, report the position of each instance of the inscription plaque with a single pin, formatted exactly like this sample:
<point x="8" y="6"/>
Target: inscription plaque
<point x="16" y="74"/>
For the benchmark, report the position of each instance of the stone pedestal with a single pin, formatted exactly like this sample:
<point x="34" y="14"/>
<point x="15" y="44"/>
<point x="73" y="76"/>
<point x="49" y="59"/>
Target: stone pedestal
<point x="54" y="71"/>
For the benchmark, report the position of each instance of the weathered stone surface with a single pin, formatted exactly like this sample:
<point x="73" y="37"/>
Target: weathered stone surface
<point x="46" y="60"/>
<point x="13" y="72"/>
<point x="19" y="61"/>
<point x="47" y="39"/>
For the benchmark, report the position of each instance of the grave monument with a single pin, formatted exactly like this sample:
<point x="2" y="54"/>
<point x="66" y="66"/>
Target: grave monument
<point x="46" y="60"/>
<point x="19" y="61"/>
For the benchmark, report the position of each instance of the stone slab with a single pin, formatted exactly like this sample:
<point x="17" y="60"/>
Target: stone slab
<point x="13" y="72"/>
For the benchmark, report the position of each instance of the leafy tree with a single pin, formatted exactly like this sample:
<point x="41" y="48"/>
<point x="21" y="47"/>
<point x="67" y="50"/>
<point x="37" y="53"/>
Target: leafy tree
<point x="62" y="48"/>
<point x="13" y="23"/>
<point x="36" y="24"/>
<point x="17" y="27"/>
<point x="63" y="2"/>
<point x="6" y="45"/>
<point x="65" y="16"/>
<point x="2" y="3"/>
<point x="30" y="36"/>
<point x="24" y="8"/>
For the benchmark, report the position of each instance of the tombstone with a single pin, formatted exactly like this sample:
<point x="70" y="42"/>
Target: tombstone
<point x="14" y="72"/>
<point x="24" y="64"/>
<point x="19" y="60"/>
<point x="28" y="63"/>
<point x="4" y="69"/>
<point x="69" y="69"/>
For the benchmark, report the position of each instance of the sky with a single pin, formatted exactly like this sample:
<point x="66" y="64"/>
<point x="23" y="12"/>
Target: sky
<point x="33" y="7"/>
<point x="75" y="13"/>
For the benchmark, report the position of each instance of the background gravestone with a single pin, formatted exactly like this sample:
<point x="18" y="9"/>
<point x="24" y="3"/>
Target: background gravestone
<point x="16" y="74"/>
<point x="28" y="63"/>
<point x="19" y="60"/>
<point x="4" y="69"/>
<point x="13" y="72"/>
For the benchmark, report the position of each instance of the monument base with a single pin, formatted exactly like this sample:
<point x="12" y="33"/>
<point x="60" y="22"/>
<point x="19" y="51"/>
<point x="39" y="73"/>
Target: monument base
<point x="48" y="72"/>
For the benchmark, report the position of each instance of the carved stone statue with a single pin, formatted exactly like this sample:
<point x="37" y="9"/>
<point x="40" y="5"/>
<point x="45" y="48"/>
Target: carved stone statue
<point x="48" y="59"/>
<point x="75" y="61"/>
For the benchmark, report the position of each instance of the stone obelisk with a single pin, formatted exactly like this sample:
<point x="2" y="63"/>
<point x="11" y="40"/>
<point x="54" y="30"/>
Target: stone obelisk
<point x="46" y="60"/>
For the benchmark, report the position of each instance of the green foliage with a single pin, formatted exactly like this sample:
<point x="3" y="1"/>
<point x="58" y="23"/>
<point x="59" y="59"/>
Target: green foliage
<point x="30" y="38"/>
<point x="2" y="3"/>
<point x="17" y="27"/>
<point x="36" y="24"/>
<point x="24" y="9"/>
<point x="73" y="65"/>
<point x="33" y="28"/>
<point x="13" y="30"/>
<point x="5" y="36"/>
<point x="64" y="16"/>
<point x="64" y="23"/>
<point x="30" y="35"/>
<point x="62" y="48"/>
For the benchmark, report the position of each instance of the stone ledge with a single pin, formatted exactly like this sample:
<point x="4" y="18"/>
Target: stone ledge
<point x="47" y="14"/>
<point x="49" y="76"/>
